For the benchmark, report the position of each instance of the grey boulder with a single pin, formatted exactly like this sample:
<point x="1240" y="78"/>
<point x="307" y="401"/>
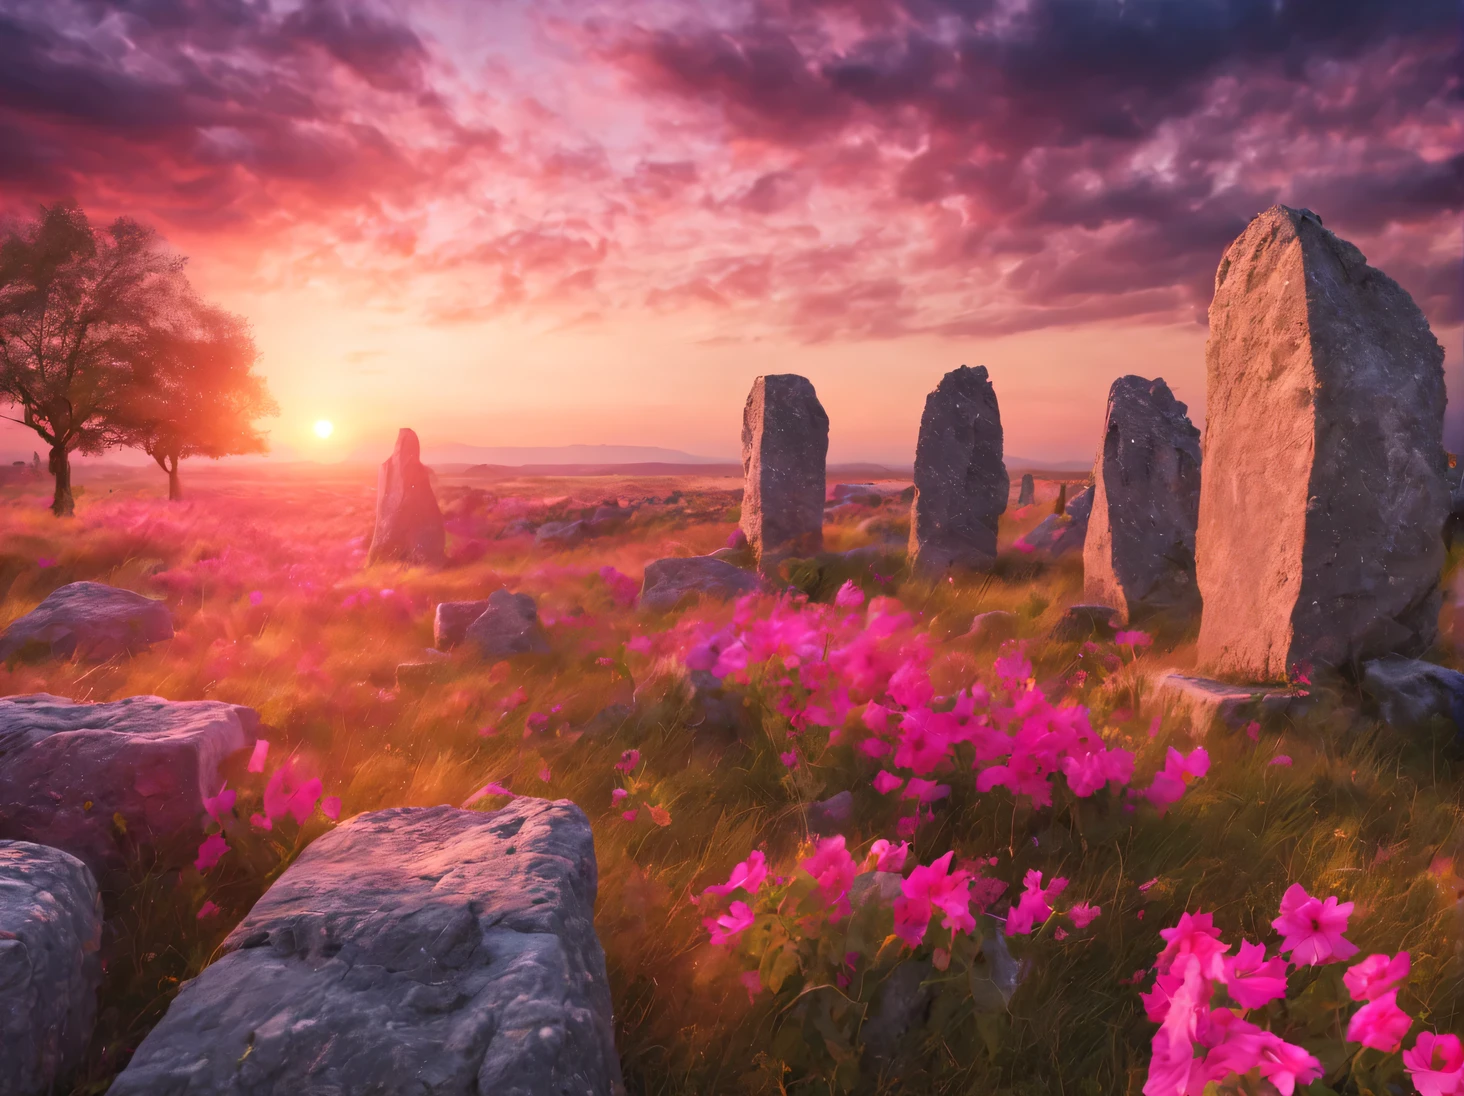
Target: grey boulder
<point x="1139" y="554"/>
<point x="1062" y="534"/>
<point x="451" y="619"/>
<point x="961" y="482"/>
<point x="565" y="533"/>
<point x="90" y="621"/>
<point x="785" y="444"/>
<point x="1087" y="622"/>
<point x="409" y="526"/>
<point x="50" y="930"/>
<point x="1409" y="694"/>
<point x="118" y="782"/>
<point x="1324" y="498"/>
<point x="508" y="626"/>
<point x="671" y="582"/>
<point x="409" y="951"/>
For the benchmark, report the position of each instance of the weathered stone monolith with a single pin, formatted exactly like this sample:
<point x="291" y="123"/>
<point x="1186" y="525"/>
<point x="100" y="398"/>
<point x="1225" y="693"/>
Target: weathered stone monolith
<point x="1139" y="555"/>
<point x="785" y="444"/>
<point x="408" y="522"/>
<point x="1028" y="493"/>
<point x="1324" y="494"/>
<point x="961" y="482"/>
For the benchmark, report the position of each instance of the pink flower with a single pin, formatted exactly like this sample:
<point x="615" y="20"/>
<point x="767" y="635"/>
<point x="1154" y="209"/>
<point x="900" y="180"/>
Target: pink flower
<point x="208" y="909"/>
<point x="261" y="822"/>
<point x="883" y="856"/>
<point x="286" y="793"/>
<point x="1375" y="975"/>
<point x="749" y="875"/>
<point x="628" y="761"/>
<point x="486" y="790"/>
<point x="1133" y="639"/>
<point x="928" y="889"/>
<point x="1252" y="979"/>
<point x="629" y="815"/>
<point x="330" y="806"/>
<point x="1033" y="904"/>
<point x="833" y="868"/>
<point x="1281" y="759"/>
<point x="1170" y="781"/>
<point x="874" y="747"/>
<point x="544" y="774"/>
<point x="789" y="759"/>
<point x="1380" y="1023"/>
<point x="1196" y="935"/>
<point x="886" y="782"/>
<point x="752" y="982"/>
<point x="925" y="791"/>
<point x="210" y="851"/>
<point x="1083" y="915"/>
<point x="1436" y="1064"/>
<point x="726" y="928"/>
<point x="256" y="759"/>
<point x="219" y="805"/>
<point x="256" y="597"/>
<point x="617" y="795"/>
<point x="1284" y="1064"/>
<point x="849" y="596"/>
<point x="1312" y="929"/>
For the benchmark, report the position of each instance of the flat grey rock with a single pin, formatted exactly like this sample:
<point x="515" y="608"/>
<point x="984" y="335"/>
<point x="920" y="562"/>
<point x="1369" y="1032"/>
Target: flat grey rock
<point x="1204" y="703"/>
<point x="1324" y="498"/>
<point x="785" y="444"/>
<point x="832" y="815"/>
<point x="451" y="620"/>
<point x="961" y="482"/>
<point x="1059" y="535"/>
<point x="69" y="772"/>
<point x="1087" y="622"/>
<point x="1409" y="693"/>
<point x="1139" y="553"/>
<point x="565" y="533"/>
<point x="50" y="932"/>
<point x="674" y="581"/>
<point x="409" y="951"/>
<point x="996" y="626"/>
<point x="90" y="621"/>
<point x="409" y="526"/>
<point x="509" y="626"/>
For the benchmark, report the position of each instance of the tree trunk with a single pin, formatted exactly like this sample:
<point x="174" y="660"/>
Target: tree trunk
<point x="175" y="489"/>
<point x="62" y="504"/>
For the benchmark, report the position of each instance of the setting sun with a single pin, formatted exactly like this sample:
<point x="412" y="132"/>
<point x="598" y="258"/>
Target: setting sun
<point x="324" y="428"/>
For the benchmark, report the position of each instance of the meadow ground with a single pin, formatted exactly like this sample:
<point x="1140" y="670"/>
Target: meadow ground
<point x="274" y="608"/>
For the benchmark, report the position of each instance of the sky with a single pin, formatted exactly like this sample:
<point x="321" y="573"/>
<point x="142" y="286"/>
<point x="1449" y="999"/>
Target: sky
<point x="551" y="222"/>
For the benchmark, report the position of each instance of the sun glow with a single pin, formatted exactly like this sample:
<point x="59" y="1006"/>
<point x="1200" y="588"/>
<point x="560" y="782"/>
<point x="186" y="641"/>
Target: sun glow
<point x="324" y="428"/>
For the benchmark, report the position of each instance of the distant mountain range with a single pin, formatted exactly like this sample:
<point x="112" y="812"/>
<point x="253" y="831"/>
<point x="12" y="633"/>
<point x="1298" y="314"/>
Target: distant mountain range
<point x="518" y="455"/>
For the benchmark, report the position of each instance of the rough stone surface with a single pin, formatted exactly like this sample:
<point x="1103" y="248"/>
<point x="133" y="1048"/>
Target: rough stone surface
<point x="430" y="666"/>
<point x="1062" y="534"/>
<point x="608" y="719"/>
<point x="1204" y="703"/>
<point x="50" y="930"/>
<point x="785" y="444"/>
<point x="1139" y="554"/>
<point x="899" y="1010"/>
<point x="1324" y="496"/>
<point x="451" y="621"/>
<point x="961" y="482"/>
<point x="1409" y="694"/>
<point x="508" y="626"/>
<point x="670" y="582"/>
<point x="831" y="815"/>
<point x="69" y="773"/>
<point x="997" y="626"/>
<point x="1028" y="493"/>
<point x="87" y="620"/>
<point x="564" y="533"/>
<point x="1087" y="622"/>
<point x="408" y="523"/>
<point x="409" y="951"/>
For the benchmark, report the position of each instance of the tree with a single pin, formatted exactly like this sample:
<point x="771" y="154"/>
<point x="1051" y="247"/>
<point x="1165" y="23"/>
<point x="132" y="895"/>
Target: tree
<point x="77" y="306"/>
<point x="194" y="391"/>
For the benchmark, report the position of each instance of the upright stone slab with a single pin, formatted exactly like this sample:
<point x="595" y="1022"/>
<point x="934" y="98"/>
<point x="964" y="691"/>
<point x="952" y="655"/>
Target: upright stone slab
<point x="1139" y="554"/>
<point x="785" y="445"/>
<point x="961" y="482"/>
<point x="1324" y="495"/>
<point x="408" y="523"/>
<point x="112" y="781"/>
<point x="50" y="930"/>
<point x="1028" y="493"/>
<point x="411" y="950"/>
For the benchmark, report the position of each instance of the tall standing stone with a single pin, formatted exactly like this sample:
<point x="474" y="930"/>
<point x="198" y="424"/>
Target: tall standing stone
<point x="408" y="522"/>
<point x="1139" y="556"/>
<point x="1324" y="494"/>
<point x="1028" y="493"/>
<point x="961" y="482"/>
<point x="785" y="444"/>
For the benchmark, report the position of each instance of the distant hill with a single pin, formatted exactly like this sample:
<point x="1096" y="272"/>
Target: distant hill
<point x="516" y="456"/>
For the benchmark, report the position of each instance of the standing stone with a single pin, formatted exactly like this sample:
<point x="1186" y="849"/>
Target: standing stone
<point x="411" y="950"/>
<point x="1324" y="495"/>
<point x="1028" y="494"/>
<point x="961" y="483"/>
<point x="408" y="522"/>
<point x="50" y="930"/>
<point x="785" y="444"/>
<point x="118" y="784"/>
<point x="1139" y="555"/>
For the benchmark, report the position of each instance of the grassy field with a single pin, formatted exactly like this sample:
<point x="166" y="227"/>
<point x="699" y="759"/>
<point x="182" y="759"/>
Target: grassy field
<point x="274" y="608"/>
